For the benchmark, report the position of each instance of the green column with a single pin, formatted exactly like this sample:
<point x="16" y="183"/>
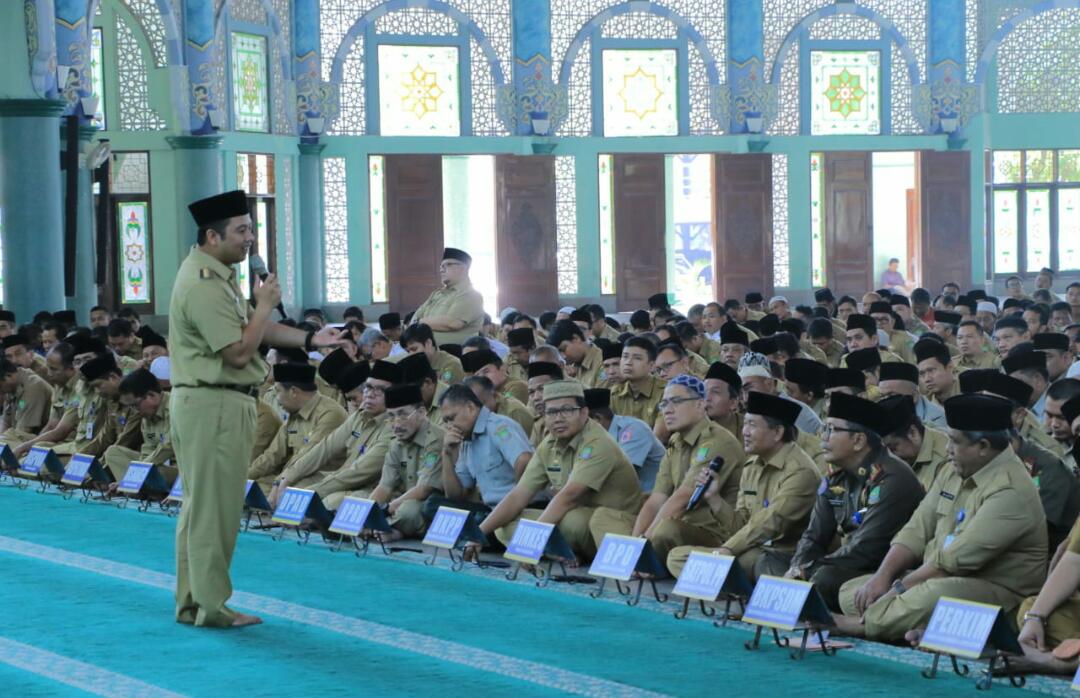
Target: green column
<point x="31" y="206"/>
<point x="199" y="174"/>
<point x="310" y="250"/>
<point x="86" y="289"/>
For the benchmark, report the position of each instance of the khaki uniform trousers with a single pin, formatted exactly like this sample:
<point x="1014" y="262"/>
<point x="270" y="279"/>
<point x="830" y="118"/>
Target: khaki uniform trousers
<point x="668" y="534"/>
<point x="890" y="617"/>
<point x="213" y="432"/>
<point x="1062" y="624"/>
<point x="574" y="527"/>
<point x="14" y="437"/>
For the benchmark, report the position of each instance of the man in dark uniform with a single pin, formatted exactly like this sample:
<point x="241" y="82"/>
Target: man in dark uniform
<point x="866" y="498"/>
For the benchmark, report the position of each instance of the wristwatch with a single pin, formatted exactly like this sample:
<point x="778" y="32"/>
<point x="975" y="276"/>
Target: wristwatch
<point x="898" y="587"/>
<point x="1036" y="617"/>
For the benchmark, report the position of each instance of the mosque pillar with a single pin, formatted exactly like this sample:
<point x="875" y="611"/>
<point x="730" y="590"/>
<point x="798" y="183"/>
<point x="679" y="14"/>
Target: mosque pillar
<point x="199" y="174"/>
<point x="311" y="229"/>
<point x="746" y="90"/>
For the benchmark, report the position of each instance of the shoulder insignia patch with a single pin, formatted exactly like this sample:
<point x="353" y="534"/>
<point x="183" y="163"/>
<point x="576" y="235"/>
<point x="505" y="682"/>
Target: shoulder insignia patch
<point x="702" y="454"/>
<point x="205" y="273"/>
<point x="875" y="496"/>
<point x="447" y="375"/>
<point x="626" y="435"/>
<point x="430" y="459"/>
<point x="586" y="453"/>
<point x="502" y="432"/>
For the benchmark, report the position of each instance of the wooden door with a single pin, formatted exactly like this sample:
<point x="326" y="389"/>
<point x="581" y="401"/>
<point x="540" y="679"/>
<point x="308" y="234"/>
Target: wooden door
<point x="849" y="235"/>
<point x="526" y="261"/>
<point x="913" y="273"/>
<point x="414" y="228"/>
<point x="944" y="183"/>
<point x="743" y="202"/>
<point x="640" y="221"/>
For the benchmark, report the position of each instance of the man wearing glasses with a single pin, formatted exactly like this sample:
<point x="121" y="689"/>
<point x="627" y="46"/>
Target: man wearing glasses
<point x="454" y="312"/>
<point x="579" y="464"/>
<point x="352" y="456"/>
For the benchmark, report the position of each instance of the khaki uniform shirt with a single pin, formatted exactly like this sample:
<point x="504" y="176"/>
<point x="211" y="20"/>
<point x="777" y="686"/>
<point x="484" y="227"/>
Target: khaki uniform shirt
<point x="687" y="454"/>
<point x="591" y="368"/>
<point x="103" y="423"/>
<point x="267" y="423"/>
<point x="519" y="390"/>
<point x="27" y="409"/>
<point x="134" y="352"/>
<point x="710" y="350"/>
<point x="417" y="461"/>
<point x="458" y="301"/>
<point x="447" y="368"/>
<point x="698" y="365"/>
<point x="208" y="313"/>
<point x="609" y="333"/>
<point x="355" y="452"/>
<point x="38" y="366"/>
<point x="299" y="434"/>
<point x="981" y="360"/>
<point x="538" y="432"/>
<point x="626" y="400"/>
<point x="733" y="423"/>
<point x="515" y="371"/>
<point x="515" y="410"/>
<point x="989" y="526"/>
<point x="775" y="500"/>
<point x="66" y="397"/>
<point x="156" y="441"/>
<point x="591" y="458"/>
<point x="932" y="458"/>
<point x="1031" y="430"/>
<point x="903" y="345"/>
<point x="1059" y="490"/>
<point x="810" y="351"/>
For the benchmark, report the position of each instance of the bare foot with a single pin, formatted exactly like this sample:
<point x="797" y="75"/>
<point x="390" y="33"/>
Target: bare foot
<point x="243" y="619"/>
<point x="389" y="536"/>
<point x="1041" y="662"/>
<point x="914" y="637"/>
<point x="850" y="626"/>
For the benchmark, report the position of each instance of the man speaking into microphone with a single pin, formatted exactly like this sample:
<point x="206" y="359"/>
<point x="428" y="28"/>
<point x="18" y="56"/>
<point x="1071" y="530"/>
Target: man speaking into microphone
<point x="214" y="338"/>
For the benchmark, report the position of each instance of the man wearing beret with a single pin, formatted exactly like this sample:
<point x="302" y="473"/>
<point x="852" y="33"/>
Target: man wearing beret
<point x="1030" y="366"/>
<point x="540" y="373"/>
<point x="352" y="456"/>
<point x="723" y="398"/>
<point x="579" y="464"/>
<point x="1059" y="355"/>
<point x="455" y="311"/>
<point x="635" y="437"/>
<point x="862" y="334"/>
<point x="734" y="343"/>
<point x="311" y="418"/>
<point x="412" y="469"/>
<point x="936" y="377"/>
<point x="900" y="342"/>
<point x="924" y="449"/>
<point x="695" y="442"/>
<point x="903" y="379"/>
<point x="419" y="338"/>
<point x="520" y="341"/>
<point x="978" y="535"/>
<point x="776" y="489"/>
<point x="866" y="498"/>
<point x="216" y="370"/>
<point x="486" y="363"/>
<point x="416" y="369"/>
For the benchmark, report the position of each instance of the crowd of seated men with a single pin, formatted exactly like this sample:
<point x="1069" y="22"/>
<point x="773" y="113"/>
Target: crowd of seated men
<point x="890" y="449"/>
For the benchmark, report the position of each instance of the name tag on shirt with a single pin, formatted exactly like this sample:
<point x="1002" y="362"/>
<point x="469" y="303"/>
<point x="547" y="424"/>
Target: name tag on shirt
<point x="784" y="603"/>
<point x="963" y="628"/>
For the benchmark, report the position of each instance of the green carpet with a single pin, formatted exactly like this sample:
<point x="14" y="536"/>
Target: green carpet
<point x="93" y="586"/>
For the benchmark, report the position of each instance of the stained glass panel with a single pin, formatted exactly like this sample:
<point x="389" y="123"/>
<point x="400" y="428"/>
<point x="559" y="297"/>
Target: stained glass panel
<point x="1069" y="165"/>
<point x="1006" y="226"/>
<point x="607" y="225"/>
<point x="130" y="173"/>
<point x="690" y="228"/>
<point x="134" y="247"/>
<point x="335" y="230"/>
<point x="377" y="189"/>
<point x="97" y="77"/>
<point x="780" y="247"/>
<point x="1039" y="165"/>
<point x="817" y="220"/>
<point x="566" y="251"/>
<point x="845" y="90"/>
<point x="1007" y="168"/>
<point x="1037" y="219"/>
<point x="419" y="91"/>
<point x="250" y="109"/>
<point x="1068" y="229"/>
<point x="640" y="92"/>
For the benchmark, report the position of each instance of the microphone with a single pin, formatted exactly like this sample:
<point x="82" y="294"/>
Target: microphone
<point x="714" y="468"/>
<point x="258" y="268"/>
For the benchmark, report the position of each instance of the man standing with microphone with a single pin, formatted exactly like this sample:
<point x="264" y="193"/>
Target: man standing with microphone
<point x="214" y="338"/>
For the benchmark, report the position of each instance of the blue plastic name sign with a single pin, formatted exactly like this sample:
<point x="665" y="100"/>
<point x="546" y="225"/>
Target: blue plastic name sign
<point x="529" y="541"/>
<point x="176" y="494"/>
<point x="703" y="576"/>
<point x="78" y="470"/>
<point x="777" y="602"/>
<point x="1076" y="680"/>
<point x="8" y="461"/>
<point x="254" y="497"/>
<point x="446" y="527"/>
<point x="351" y="516"/>
<point x="137" y="476"/>
<point x="293" y="506"/>
<point x="617" y="557"/>
<point x="34" y="461"/>
<point x="959" y="627"/>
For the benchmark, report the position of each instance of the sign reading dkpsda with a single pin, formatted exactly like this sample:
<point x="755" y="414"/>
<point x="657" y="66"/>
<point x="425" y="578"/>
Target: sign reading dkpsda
<point x="787" y="604"/>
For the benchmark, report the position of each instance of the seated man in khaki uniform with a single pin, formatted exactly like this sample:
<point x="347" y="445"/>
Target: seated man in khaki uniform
<point x="27" y="402"/>
<point x="641" y="391"/>
<point x="903" y="379"/>
<point x="141" y="392"/>
<point x="499" y="403"/>
<point x="351" y="457"/>
<point x="862" y="334"/>
<point x="937" y="380"/>
<point x="777" y="488"/>
<point x="868" y="495"/>
<point x="979" y="534"/>
<point x="486" y="363"/>
<point x="415" y="368"/>
<point x="520" y="342"/>
<point x="540" y="374"/>
<point x="923" y="448"/>
<point x="695" y="443"/>
<point x="420" y="339"/>
<point x="579" y="464"/>
<point x="1047" y="620"/>
<point x="723" y="398"/>
<point x="103" y="420"/>
<point x="455" y="311"/>
<point x="412" y="470"/>
<point x="583" y="361"/>
<point x="312" y="417"/>
<point x="17" y="351"/>
<point x="122" y="340"/>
